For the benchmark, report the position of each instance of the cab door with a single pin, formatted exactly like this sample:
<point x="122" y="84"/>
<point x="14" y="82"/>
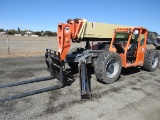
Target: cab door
<point x="141" y="48"/>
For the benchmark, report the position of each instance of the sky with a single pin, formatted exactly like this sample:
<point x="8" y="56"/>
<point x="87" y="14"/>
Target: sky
<point x="40" y="15"/>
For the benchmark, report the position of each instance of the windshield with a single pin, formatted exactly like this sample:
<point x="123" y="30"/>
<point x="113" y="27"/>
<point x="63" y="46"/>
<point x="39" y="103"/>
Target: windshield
<point x="121" y="37"/>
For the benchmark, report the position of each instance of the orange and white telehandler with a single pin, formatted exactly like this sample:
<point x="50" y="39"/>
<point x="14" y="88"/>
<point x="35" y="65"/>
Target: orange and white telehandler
<point x="116" y="46"/>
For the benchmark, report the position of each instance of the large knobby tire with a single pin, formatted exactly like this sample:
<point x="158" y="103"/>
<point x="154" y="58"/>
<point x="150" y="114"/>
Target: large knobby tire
<point x="108" y="67"/>
<point x="151" y="61"/>
<point x="74" y="65"/>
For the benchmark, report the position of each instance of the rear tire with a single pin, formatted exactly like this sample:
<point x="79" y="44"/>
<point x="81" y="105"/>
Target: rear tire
<point x="108" y="67"/>
<point x="151" y="61"/>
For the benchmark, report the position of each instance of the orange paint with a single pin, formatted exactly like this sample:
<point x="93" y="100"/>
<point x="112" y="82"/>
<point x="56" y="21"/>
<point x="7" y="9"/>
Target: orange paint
<point x="66" y="33"/>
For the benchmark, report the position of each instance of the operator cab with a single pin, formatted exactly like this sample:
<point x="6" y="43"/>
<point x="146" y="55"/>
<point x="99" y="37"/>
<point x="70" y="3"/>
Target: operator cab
<point x="130" y="44"/>
<point x="120" y="41"/>
<point x="133" y="46"/>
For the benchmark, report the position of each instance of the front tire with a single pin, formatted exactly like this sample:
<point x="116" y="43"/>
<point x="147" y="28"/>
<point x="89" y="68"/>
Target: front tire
<point x="108" y="67"/>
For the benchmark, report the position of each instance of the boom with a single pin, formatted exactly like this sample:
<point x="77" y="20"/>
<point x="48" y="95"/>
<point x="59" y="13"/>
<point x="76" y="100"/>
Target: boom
<point x="78" y="30"/>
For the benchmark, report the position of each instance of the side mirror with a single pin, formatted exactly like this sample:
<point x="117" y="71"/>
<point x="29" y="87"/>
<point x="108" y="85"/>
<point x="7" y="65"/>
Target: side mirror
<point x="135" y="32"/>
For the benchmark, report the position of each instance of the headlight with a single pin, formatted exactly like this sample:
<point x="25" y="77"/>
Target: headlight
<point x="67" y="29"/>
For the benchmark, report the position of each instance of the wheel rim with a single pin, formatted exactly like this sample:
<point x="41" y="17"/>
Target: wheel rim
<point x="112" y="67"/>
<point x="154" y="61"/>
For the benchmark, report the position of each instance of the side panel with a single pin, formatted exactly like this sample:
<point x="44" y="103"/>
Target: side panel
<point x="64" y="39"/>
<point x="100" y="30"/>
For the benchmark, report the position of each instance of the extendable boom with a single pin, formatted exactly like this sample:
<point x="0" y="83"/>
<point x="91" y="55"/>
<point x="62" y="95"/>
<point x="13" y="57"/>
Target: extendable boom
<point x="77" y="30"/>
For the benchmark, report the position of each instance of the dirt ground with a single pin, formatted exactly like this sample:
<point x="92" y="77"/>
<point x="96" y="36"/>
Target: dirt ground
<point x="135" y="96"/>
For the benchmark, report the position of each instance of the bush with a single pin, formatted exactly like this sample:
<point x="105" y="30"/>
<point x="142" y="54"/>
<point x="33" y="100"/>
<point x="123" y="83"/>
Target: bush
<point x="12" y="32"/>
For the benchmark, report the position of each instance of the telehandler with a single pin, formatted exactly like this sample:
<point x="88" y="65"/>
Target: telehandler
<point x="122" y="46"/>
<point x="116" y="46"/>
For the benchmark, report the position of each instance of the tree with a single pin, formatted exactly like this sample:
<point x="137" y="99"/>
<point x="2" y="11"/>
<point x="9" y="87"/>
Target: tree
<point x="22" y="33"/>
<point x="19" y="30"/>
<point x="54" y="34"/>
<point x="49" y="33"/>
<point x="38" y="33"/>
<point x="1" y="30"/>
<point x="12" y="32"/>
